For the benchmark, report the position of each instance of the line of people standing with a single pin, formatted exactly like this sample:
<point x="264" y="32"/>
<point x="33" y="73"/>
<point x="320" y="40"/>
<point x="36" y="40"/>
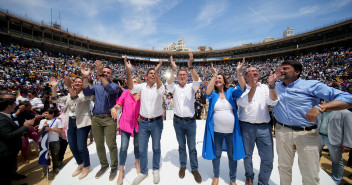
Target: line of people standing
<point x="295" y="103"/>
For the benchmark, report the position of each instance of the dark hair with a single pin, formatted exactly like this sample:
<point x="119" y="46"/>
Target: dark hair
<point x="150" y="70"/>
<point x="33" y="92"/>
<point x="295" y="64"/>
<point x="52" y="110"/>
<point x="25" y="103"/>
<point x="5" y="102"/>
<point x="226" y="83"/>
<point x="182" y="69"/>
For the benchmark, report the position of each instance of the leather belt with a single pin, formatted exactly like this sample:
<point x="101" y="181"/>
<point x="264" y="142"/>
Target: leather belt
<point x="151" y="119"/>
<point x="102" y="115"/>
<point x="184" y="118"/>
<point x="299" y="128"/>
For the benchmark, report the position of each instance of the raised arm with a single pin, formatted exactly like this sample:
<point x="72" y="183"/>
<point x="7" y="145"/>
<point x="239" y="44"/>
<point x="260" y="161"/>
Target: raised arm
<point x="85" y="74"/>
<point x="271" y="80"/>
<point x="211" y="84"/>
<point x="194" y="74"/>
<point x="99" y="67"/>
<point x="240" y="77"/>
<point x="172" y="75"/>
<point x="54" y="82"/>
<point x="68" y="84"/>
<point x="128" y="66"/>
<point x="157" y="77"/>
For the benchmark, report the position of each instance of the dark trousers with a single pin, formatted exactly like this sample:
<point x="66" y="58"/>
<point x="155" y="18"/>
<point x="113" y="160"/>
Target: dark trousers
<point x="63" y="147"/>
<point x="5" y="172"/>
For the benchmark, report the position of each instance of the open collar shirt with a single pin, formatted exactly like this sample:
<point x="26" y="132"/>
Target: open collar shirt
<point x="255" y="111"/>
<point x="151" y="99"/>
<point x="184" y="97"/>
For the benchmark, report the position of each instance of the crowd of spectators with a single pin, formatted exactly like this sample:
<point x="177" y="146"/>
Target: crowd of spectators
<point x="31" y="68"/>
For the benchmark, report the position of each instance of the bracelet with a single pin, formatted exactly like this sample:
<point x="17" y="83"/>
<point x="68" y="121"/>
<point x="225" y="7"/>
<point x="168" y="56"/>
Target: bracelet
<point x="239" y="74"/>
<point x="190" y="68"/>
<point x="272" y="86"/>
<point x="321" y="108"/>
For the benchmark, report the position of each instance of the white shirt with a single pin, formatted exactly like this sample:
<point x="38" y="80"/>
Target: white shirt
<point x="151" y="99"/>
<point x="184" y="98"/>
<point x="52" y="136"/>
<point x="37" y="102"/>
<point x="255" y="111"/>
<point x="223" y="116"/>
<point x="20" y="98"/>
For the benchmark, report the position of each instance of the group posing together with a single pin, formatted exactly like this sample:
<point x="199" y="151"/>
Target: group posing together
<point x="238" y="119"/>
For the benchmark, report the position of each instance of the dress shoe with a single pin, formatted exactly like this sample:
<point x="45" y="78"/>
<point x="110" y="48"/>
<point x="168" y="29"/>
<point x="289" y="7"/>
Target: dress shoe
<point x="181" y="173"/>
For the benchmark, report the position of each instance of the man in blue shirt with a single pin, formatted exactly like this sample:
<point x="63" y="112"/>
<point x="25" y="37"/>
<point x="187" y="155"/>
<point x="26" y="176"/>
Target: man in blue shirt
<point x="103" y="125"/>
<point x="296" y="113"/>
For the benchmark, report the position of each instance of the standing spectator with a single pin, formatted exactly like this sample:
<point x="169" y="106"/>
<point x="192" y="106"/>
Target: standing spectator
<point x="197" y="105"/>
<point x="204" y="101"/>
<point x="10" y="138"/>
<point x="151" y="122"/>
<point x="296" y="114"/>
<point x="222" y="123"/>
<point x="103" y="125"/>
<point x="78" y="116"/>
<point x="53" y="126"/>
<point x="169" y="107"/>
<point x="37" y="104"/>
<point x="255" y="124"/>
<point x="335" y="130"/>
<point x="23" y="97"/>
<point x="128" y="126"/>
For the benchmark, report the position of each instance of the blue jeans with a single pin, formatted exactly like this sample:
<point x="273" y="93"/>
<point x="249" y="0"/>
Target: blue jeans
<point x="218" y="141"/>
<point x="125" y="140"/>
<point x="186" y="129"/>
<point x="260" y="135"/>
<point x="77" y="139"/>
<point x="337" y="167"/>
<point x="147" y="129"/>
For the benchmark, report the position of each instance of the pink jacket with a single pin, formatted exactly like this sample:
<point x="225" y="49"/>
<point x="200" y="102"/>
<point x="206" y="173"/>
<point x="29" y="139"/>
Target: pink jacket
<point x="130" y="112"/>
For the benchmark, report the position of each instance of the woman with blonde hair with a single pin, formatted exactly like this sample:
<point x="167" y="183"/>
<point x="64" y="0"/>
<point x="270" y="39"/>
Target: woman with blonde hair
<point x="128" y="126"/>
<point x="79" y="121"/>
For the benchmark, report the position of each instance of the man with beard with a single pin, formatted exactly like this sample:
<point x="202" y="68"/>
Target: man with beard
<point x="296" y="113"/>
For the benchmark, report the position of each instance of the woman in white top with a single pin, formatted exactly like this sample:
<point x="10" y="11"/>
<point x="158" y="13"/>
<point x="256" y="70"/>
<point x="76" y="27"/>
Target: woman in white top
<point x="78" y="117"/>
<point x="222" y="123"/>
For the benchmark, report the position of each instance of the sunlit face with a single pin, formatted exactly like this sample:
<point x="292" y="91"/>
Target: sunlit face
<point x="151" y="76"/>
<point x="219" y="83"/>
<point x="254" y="72"/>
<point x="77" y="84"/>
<point x="288" y="73"/>
<point x="135" y="82"/>
<point x="182" y="77"/>
<point x="107" y="72"/>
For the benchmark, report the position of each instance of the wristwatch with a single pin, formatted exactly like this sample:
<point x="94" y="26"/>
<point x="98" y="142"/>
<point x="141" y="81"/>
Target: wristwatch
<point x="102" y="75"/>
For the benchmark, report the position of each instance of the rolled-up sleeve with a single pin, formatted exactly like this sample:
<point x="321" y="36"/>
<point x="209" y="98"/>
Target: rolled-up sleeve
<point x="196" y="85"/>
<point x="89" y="91"/>
<point x="237" y="92"/>
<point x="325" y="92"/>
<point x="243" y="100"/>
<point x="112" y="88"/>
<point x="137" y="88"/>
<point x="170" y="87"/>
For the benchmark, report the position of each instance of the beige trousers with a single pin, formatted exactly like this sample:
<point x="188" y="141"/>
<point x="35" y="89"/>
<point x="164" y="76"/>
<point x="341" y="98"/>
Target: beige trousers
<point x="307" y="145"/>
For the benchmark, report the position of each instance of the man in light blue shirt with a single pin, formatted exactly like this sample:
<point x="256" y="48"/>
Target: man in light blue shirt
<point x="296" y="113"/>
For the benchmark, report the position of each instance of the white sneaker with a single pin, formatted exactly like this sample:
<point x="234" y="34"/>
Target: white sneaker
<point x="156" y="176"/>
<point x="139" y="178"/>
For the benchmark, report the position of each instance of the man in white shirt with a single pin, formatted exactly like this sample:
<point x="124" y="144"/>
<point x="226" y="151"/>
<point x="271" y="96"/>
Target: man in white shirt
<point x="254" y="122"/>
<point x="184" y="119"/>
<point x="151" y="121"/>
<point x="37" y="104"/>
<point x="23" y="97"/>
